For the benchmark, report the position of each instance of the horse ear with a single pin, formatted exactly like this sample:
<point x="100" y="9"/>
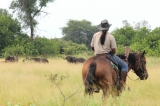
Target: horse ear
<point x="143" y="53"/>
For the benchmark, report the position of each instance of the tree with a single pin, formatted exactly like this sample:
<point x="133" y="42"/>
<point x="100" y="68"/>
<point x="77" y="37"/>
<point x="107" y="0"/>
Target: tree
<point x="46" y="47"/>
<point x="125" y="34"/>
<point x="27" y="10"/>
<point x="5" y="12"/>
<point x="79" y="32"/>
<point x="153" y="41"/>
<point x="142" y="24"/>
<point x="9" y="29"/>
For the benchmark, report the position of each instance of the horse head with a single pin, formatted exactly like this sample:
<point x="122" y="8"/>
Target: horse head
<point x="137" y="62"/>
<point x="139" y="66"/>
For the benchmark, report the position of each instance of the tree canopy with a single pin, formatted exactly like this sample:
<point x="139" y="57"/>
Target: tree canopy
<point x="79" y="32"/>
<point x="9" y="29"/>
<point x="139" y="37"/>
<point x="27" y="10"/>
<point x="76" y="39"/>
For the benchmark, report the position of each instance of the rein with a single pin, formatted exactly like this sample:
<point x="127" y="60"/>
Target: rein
<point x="132" y="79"/>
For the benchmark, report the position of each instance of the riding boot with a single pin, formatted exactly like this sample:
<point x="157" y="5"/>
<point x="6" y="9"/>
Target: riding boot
<point x="123" y="76"/>
<point x="122" y="80"/>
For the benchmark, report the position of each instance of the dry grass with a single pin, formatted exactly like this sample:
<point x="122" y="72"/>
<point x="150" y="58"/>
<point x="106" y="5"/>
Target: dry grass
<point x="26" y="84"/>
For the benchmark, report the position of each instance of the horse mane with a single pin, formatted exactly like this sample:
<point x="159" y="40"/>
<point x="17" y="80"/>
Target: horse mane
<point x="131" y="57"/>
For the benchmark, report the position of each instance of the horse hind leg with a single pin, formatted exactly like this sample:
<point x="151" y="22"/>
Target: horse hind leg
<point x="96" y="88"/>
<point x="115" y="92"/>
<point x="105" y="93"/>
<point x="89" y="90"/>
<point x="107" y="89"/>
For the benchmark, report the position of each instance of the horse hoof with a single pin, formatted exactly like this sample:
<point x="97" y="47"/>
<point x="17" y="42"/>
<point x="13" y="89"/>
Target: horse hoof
<point x="129" y="89"/>
<point x="96" y="90"/>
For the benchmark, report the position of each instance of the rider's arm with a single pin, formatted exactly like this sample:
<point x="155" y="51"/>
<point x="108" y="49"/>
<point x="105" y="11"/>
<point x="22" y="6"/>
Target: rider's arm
<point x="113" y="50"/>
<point x="113" y="45"/>
<point x="92" y="48"/>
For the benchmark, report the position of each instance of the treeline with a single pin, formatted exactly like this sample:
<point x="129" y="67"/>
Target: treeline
<point x="15" y="42"/>
<point x="139" y="37"/>
<point x="76" y="39"/>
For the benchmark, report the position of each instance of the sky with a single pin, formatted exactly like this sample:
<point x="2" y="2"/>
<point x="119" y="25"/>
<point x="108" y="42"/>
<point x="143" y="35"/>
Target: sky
<point x="115" y="11"/>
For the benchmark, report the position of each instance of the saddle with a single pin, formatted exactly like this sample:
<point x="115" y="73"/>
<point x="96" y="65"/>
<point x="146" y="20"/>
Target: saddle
<point x="114" y="65"/>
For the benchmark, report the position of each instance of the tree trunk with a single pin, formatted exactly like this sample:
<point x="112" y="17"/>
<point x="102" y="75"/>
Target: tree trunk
<point x="32" y="33"/>
<point x="31" y="27"/>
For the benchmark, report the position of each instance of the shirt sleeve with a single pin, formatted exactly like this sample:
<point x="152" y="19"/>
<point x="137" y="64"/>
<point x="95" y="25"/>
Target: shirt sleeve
<point x="92" y="42"/>
<point x="113" y="43"/>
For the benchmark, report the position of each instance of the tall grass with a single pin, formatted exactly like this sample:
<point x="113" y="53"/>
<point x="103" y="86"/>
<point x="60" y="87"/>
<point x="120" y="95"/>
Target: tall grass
<point x="28" y="84"/>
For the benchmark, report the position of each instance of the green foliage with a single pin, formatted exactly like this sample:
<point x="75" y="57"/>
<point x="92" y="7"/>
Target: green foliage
<point x="14" y="50"/>
<point x="78" y="35"/>
<point x="139" y="38"/>
<point x="9" y="29"/>
<point x="124" y="35"/>
<point x="19" y="46"/>
<point x="46" y="47"/>
<point x="153" y="42"/>
<point x="79" y="32"/>
<point x="27" y="10"/>
<point x="70" y="48"/>
<point x="120" y="49"/>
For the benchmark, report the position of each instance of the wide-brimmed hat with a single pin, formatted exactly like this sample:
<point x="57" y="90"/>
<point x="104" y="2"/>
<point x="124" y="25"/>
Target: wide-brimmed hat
<point x="104" y="25"/>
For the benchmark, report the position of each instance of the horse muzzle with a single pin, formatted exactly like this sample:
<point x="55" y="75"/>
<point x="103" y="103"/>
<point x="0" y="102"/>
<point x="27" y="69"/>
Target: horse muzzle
<point x="144" y="76"/>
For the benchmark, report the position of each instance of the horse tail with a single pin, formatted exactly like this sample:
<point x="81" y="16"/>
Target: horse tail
<point x="90" y="78"/>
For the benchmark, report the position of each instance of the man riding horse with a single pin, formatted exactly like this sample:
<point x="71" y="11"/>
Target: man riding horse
<point x="104" y="44"/>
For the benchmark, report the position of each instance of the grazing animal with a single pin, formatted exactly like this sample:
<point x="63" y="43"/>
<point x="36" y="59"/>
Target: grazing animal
<point x="81" y="60"/>
<point x="98" y="73"/>
<point x="11" y="59"/>
<point x="44" y="60"/>
<point x="35" y="59"/>
<point x="72" y="59"/>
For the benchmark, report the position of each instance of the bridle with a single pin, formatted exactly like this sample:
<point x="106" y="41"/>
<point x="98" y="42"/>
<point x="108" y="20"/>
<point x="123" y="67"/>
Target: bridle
<point x="141" y="63"/>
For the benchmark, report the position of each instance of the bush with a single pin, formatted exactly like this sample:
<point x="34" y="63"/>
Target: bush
<point x="14" y="50"/>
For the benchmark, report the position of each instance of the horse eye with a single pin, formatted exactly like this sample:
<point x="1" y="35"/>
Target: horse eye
<point x="144" y="62"/>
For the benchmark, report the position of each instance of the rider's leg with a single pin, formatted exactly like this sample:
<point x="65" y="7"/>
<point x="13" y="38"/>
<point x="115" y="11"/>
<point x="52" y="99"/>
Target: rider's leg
<point x="122" y="65"/>
<point x="124" y="71"/>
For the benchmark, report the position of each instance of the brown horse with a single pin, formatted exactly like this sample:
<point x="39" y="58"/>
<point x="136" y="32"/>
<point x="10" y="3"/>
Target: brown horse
<point x="137" y="62"/>
<point x="98" y="73"/>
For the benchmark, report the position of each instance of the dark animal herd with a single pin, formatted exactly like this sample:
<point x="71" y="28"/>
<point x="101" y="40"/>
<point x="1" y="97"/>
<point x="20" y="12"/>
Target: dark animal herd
<point x="69" y="59"/>
<point x="13" y="59"/>
<point x="40" y="60"/>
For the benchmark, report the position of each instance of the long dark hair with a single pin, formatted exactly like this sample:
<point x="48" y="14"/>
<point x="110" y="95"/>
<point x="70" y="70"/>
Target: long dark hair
<point x="103" y="37"/>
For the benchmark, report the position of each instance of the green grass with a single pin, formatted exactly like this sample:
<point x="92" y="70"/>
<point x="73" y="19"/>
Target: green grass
<point x="26" y="84"/>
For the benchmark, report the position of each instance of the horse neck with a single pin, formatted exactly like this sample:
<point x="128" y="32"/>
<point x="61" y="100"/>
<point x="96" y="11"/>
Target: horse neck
<point x="131" y="61"/>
